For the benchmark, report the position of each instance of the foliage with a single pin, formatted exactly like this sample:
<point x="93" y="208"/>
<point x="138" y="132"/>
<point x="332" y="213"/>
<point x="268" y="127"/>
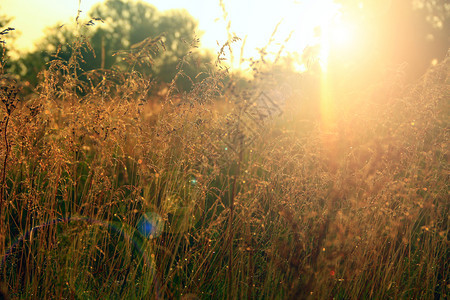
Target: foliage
<point x="118" y="27"/>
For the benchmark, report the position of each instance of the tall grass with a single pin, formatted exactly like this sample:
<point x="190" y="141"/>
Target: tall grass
<point x="108" y="192"/>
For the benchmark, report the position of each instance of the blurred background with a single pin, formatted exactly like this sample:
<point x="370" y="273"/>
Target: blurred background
<point x="355" y="40"/>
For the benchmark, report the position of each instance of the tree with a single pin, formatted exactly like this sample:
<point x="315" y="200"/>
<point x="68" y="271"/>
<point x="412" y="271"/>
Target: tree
<point x="120" y="26"/>
<point x="28" y="65"/>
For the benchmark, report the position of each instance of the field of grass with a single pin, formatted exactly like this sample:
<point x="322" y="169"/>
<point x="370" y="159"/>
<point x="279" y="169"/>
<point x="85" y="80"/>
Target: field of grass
<point x="109" y="192"/>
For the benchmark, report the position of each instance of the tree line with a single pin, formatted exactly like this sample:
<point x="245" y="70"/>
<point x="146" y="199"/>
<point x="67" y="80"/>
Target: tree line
<point x="413" y="32"/>
<point x="113" y="30"/>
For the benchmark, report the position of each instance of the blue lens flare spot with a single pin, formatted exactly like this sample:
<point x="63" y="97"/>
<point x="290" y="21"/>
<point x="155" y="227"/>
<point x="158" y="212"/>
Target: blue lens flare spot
<point x="193" y="181"/>
<point x="150" y="225"/>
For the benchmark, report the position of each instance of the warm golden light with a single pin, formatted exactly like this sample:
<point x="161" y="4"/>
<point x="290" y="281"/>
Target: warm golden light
<point x="317" y="23"/>
<point x="331" y="34"/>
<point x="342" y="35"/>
<point x="248" y="19"/>
<point x="337" y="36"/>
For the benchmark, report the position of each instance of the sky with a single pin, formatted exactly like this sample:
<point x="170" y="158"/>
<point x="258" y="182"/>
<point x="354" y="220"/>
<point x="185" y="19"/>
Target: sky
<point x="254" y="20"/>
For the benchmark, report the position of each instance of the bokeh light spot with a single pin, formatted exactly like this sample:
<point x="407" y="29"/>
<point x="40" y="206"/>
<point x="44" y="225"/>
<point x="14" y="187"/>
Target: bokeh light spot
<point x="150" y="225"/>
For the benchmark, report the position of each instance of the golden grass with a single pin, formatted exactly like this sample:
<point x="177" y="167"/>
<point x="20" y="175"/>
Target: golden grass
<point x="357" y="210"/>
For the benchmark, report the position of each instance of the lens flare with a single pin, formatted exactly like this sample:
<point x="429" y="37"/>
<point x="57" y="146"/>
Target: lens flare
<point x="150" y="225"/>
<point x="193" y="180"/>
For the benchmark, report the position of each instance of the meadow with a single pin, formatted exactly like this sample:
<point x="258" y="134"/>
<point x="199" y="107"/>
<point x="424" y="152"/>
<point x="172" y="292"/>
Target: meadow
<point x="113" y="187"/>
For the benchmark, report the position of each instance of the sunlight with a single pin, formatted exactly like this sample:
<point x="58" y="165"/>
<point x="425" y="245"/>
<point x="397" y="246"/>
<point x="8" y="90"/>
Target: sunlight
<point x="139" y="163"/>
<point x="314" y="24"/>
<point x="249" y="18"/>
<point x="319" y="25"/>
<point x="342" y="35"/>
<point x="338" y="37"/>
<point x="330" y="33"/>
<point x="297" y="20"/>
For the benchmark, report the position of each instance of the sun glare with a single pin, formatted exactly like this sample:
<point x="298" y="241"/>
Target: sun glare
<point x="337" y="36"/>
<point x="318" y="25"/>
<point x="313" y="23"/>
<point x="332" y="34"/>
